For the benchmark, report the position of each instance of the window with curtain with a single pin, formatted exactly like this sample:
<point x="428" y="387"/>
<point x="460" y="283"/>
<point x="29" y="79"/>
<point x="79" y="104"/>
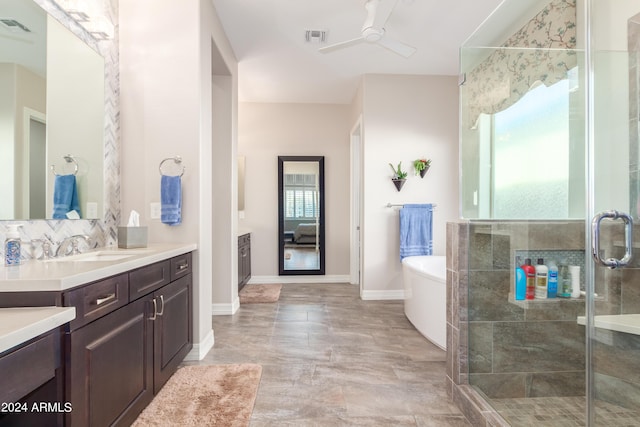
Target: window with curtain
<point x="300" y="196"/>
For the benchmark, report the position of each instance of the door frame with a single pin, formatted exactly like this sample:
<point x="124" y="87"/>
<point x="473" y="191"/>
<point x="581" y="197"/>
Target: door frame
<point x="355" y="251"/>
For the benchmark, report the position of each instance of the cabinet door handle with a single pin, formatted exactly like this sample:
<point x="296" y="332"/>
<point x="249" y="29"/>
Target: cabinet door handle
<point x="183" y="266"/>
<point x="161" y="312"/>
<point x="155" y="310"/>
<point x="104" y="299"/>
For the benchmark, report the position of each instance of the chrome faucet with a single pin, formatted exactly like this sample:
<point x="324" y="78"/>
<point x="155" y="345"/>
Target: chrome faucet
<point x="47" y="247"/>
<point x="72" y="242"/>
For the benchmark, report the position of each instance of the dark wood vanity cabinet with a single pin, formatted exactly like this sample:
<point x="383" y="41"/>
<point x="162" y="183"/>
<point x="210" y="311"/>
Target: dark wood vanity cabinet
<point x="244" y="260"/>
<point x="117" y="362"/>
<point x="31" y="374"/>
<point x="110" y="377"/>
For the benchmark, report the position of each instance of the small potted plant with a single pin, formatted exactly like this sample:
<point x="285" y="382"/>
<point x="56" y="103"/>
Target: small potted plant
<point x="399" y="176"/>
<point x="421" y="166"/>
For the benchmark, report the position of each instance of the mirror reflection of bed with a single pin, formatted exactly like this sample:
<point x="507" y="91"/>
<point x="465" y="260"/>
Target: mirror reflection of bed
<point x="301" y="225"/>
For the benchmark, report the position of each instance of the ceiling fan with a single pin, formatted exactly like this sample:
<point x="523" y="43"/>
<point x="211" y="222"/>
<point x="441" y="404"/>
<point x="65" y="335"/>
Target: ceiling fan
<point x="378" y="12"/>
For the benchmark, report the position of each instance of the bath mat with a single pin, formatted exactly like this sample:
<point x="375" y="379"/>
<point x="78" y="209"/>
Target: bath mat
<point x="256" y="294"/>
<point x="200" y="396"/>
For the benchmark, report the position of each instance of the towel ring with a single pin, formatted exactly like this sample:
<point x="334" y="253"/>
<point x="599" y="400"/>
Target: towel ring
<point x="69" y="159"/>
<point x="176" y="159"/>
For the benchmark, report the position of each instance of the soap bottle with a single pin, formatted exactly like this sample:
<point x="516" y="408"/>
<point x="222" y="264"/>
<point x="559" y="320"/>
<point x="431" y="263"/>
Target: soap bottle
<point x="12" y="246"/>
<point x="552" y="280"/>
<point x="520" y="282"/>
<point x="564" y="281"/>
<point x="530" y="276"/>
<point x="541" y="279"/>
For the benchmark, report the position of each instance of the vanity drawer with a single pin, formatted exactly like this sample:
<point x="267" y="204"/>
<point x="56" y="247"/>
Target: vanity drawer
<point x="97" y="299"/>
<point x="147" y="279"/>
<point x="30" y="366"/>
<point x="180" y="266"/>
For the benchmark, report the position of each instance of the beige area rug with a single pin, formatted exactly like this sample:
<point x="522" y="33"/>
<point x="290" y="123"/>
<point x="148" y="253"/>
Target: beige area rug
<point x="211" y="395"/>
<point x="256" y="294"/>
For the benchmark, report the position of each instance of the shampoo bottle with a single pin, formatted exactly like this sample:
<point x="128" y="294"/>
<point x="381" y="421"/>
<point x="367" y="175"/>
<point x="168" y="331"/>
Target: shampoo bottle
<point x="564" y="281"/>
<point x="541" y="279"/>
<point x="530" y="276"/>
<point x="552" y="280"/>
<point x="520" y="282"/>
<point x="12" y="246"/>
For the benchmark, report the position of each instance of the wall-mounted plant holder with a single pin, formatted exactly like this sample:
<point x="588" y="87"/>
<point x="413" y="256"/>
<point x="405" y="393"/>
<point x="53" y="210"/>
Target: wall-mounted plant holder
<point x="399" y="183"/>
<point x="399" y="176"/>
<point x="421" y="166"/>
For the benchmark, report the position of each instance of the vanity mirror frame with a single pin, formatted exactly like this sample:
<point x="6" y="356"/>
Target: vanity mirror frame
<point x="281" y="217"/>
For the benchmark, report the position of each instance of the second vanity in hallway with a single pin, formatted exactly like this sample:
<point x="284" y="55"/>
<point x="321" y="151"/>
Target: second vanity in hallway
<point x="132" y="325"/>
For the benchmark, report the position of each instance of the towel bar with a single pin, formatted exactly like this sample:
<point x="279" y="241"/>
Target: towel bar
<point x="69" y="159"/>
<point x="176" y="159"/>
<point x="389" y="205"/>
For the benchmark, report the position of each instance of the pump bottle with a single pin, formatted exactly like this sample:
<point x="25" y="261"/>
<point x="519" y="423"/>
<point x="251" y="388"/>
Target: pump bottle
<point x="12" y="246"/>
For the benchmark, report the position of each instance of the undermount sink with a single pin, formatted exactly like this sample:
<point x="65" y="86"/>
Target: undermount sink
<point x="98" y="256"/>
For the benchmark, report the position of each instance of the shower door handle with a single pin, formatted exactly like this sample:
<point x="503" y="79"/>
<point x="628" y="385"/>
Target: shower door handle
<point x="628" y="239"/>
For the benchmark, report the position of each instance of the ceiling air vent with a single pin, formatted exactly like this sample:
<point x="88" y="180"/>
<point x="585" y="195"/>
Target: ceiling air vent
<point x="315" y="36"/>
<point x="14" y="26"/>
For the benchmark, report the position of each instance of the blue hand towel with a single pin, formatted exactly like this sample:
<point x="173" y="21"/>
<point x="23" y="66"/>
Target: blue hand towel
<point x="65" y="196"/>
<point x="171" y="200"/>
<point x="416" y="224"/>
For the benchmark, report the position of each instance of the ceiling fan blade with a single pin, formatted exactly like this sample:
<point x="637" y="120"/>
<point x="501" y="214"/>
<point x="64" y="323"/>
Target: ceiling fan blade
<point x="396" y="46"/>
<point x="381" y="10"/>
<point x="341" y="45"/>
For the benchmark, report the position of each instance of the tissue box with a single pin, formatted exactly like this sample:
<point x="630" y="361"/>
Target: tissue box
<point x="132" y="237"/>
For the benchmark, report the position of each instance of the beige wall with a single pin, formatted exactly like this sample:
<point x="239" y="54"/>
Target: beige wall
<point x="266" y="131"/>
<point x="404" y="118"/>
<point x="167" y="109"/>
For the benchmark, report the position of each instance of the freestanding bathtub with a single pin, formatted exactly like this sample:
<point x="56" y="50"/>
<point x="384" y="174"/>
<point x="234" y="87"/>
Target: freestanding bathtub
<point x="425" y="296"/>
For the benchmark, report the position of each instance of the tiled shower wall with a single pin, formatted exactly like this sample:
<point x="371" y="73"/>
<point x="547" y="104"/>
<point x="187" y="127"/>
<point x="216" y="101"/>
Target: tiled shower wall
<point x="504" y="348"/>
<point x="521" y="349"/>
<point x="102" y="232"/>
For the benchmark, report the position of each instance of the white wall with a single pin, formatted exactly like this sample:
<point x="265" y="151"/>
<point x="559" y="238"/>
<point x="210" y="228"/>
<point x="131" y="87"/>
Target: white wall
<point x="404" y="118"/>
<point x="166" y="110"/>
<point x="267" y="131"/>
<point x="611" y="95"/>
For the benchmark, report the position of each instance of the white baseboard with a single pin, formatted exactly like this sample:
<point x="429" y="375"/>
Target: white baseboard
<point x="345" y="278"/>
<point x="383" y="295"/>
<point x="200" y="350"/>
<point x="225" y="309"/>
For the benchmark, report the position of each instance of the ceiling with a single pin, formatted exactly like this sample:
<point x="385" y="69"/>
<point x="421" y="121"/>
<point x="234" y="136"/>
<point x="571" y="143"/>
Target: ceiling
<point x="276" y="64"/>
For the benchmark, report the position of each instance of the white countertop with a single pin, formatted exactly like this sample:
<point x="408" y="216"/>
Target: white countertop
<point x="627" y="323"/>
<point x="64" y="273"/>
<point x="20" y="324"/>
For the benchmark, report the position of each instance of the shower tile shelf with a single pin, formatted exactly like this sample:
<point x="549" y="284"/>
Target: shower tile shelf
<point x="627" y="323"/>
<point x="537" y="303"/>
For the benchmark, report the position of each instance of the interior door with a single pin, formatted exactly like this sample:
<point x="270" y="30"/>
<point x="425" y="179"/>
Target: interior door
<point x="612" y="274"/>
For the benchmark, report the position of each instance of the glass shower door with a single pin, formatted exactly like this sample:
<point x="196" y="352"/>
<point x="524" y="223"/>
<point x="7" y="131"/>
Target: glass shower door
<point x="612" y="276"/>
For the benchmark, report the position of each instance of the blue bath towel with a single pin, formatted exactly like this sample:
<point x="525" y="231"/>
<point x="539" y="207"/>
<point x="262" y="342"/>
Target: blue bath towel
<point x="416" y="224"/>
<point x="65" y="196"/>
<point x="171" y="200"/>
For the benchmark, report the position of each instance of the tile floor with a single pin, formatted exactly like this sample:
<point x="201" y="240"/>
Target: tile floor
<point x="331" y="359"/>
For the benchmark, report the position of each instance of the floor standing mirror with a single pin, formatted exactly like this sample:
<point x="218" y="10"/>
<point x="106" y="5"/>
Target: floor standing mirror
<point x="301" y="215"/>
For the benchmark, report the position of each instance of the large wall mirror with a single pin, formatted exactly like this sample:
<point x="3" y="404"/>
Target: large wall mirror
<point x="301" y="215"/>
<point x="51" y="114"/>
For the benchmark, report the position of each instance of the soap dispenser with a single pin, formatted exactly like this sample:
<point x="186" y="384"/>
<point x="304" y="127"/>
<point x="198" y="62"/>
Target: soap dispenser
<point x="12" y="246"/>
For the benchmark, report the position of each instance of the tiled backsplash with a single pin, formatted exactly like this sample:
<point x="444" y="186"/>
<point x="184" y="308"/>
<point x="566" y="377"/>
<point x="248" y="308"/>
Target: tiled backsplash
<point x="102" y="232"/>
